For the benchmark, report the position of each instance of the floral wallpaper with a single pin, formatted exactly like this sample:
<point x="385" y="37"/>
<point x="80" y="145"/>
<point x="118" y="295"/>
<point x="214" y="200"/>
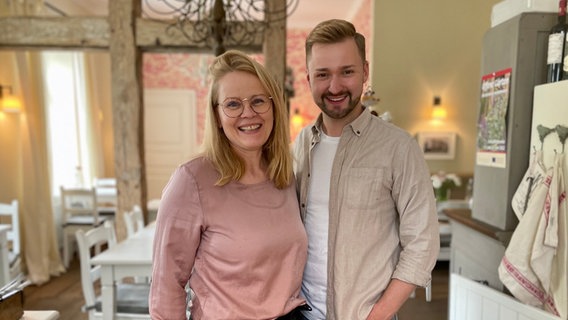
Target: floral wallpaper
<point x="179" y="71"/>
<point x="189" y="71"/>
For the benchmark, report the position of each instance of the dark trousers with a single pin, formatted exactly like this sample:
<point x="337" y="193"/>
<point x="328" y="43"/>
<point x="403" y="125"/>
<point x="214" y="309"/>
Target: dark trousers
<point x="300" y="316"/>
<point x="295" y="314"/>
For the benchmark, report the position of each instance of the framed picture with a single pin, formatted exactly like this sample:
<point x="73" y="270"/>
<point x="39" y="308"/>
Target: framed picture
<point x="437" y="145"/>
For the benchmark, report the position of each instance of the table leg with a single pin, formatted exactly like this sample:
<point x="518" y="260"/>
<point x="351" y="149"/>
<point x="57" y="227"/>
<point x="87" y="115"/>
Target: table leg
<point x="108" y="292"/>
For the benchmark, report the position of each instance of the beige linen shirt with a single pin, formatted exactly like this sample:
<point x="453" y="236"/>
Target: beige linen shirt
<point x="382" y="213"/>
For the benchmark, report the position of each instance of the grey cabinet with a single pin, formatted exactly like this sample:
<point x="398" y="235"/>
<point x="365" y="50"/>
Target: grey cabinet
<point x="520" y="44"/>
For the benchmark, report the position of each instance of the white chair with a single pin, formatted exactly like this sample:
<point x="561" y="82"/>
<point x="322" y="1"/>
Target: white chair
<point x="134" y="221"/>
<point x="153" y="206"/>
<point x="9" y="215"/>
<point x="131" y="299"/>
<point x="106" y="195"/>
<point x="79" y="209"/>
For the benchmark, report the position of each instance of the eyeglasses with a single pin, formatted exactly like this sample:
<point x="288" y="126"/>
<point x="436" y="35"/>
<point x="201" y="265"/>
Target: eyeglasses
<point x="234" y="107"/>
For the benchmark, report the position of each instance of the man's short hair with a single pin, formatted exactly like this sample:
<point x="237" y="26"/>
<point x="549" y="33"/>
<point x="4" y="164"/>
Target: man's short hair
<point x="334" y="31"/>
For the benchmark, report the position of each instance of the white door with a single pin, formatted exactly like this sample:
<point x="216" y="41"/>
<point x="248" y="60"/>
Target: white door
<point x="169" y="134"/>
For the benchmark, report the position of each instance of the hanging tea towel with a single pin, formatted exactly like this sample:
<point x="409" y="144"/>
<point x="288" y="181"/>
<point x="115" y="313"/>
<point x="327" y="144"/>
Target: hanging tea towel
<point x="558" y="233"/>
<point x="530" y="180"/>
<point x="515" y="270"/>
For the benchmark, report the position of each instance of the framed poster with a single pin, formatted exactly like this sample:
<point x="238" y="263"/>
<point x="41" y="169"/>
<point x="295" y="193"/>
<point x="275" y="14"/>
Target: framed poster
<point x="437" y="145"/>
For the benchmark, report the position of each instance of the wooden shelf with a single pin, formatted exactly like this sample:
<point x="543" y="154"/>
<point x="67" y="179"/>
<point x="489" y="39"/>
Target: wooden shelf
<point x="463" y="216"/>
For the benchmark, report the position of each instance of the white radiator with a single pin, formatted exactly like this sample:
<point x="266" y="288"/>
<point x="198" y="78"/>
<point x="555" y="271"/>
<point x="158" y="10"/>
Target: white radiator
<point x="470" y="300"/>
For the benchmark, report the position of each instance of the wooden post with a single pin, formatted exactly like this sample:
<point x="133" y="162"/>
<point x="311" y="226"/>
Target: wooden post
<point x="126" y="64"/>
<point x="274" y="45"/>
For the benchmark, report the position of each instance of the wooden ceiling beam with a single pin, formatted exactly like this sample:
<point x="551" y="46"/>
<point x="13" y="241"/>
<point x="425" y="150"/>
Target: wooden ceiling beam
<point x="43" y="32"/>
<point x="95" y="33"/>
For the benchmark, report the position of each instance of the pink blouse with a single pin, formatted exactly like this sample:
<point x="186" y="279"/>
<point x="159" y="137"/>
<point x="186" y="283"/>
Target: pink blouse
<point x="242" y="248"/>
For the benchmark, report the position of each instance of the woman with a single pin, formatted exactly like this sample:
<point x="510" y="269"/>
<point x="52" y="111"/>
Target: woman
<point x="229" y="221"/>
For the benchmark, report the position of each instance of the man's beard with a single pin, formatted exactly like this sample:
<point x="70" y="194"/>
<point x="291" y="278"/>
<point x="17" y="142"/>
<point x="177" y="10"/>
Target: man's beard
<point x="338" y="114"/>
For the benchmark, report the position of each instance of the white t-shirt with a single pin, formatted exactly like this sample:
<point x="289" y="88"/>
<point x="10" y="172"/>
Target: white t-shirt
<point x="314" y="285"/>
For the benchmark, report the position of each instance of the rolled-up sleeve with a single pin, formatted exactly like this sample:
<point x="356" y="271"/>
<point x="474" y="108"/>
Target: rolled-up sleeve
<point x="419" y="235"/>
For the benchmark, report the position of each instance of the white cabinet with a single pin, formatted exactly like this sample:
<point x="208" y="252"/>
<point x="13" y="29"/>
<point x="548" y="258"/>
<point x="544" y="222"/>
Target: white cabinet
<point x="471" y="300"/>
<point x="475" y="255"/>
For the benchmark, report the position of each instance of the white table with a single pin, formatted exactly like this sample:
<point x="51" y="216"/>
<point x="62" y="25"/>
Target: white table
<point x="129" y="258"/>
<point x="4" y="259"/>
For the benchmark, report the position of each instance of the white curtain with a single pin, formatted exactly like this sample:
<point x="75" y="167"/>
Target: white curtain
<point x="40" y="247"/>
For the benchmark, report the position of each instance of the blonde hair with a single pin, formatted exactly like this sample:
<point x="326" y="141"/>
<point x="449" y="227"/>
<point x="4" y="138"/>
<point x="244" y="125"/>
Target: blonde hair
<point x="216" y="146"/>
<point x="333" y="31"/>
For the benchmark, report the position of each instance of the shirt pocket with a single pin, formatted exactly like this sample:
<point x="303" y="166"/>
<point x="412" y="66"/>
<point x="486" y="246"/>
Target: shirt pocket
<point x="363" y="188"/>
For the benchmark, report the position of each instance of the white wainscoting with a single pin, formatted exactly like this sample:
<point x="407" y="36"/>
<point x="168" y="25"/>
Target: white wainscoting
<point x="470" y="300"/>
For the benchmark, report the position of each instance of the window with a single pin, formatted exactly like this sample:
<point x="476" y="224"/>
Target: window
<point x="67" y="118"/>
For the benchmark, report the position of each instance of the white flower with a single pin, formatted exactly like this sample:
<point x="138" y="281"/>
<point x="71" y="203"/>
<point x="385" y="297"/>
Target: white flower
<point x="436" y="182"/>
<point x="447" y="181"/>
<point x="454" y="178"/>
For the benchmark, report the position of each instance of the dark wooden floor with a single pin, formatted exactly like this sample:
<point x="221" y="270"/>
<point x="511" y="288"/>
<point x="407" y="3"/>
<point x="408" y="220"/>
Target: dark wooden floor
<point x="64" y="294"/>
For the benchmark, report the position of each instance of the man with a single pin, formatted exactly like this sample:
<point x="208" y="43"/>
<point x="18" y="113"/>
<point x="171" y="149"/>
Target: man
<point x="365" y="192"/>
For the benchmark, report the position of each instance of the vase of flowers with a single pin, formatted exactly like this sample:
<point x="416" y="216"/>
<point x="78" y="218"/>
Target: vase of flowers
<point x="443" y="183"/>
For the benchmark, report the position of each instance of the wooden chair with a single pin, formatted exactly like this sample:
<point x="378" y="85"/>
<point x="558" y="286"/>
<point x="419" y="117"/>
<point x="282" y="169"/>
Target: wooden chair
<point x="131" y="298"/>
<point x="134" y="221"/>
<point x="9" y="215"/>
<point x="80" y="212"/>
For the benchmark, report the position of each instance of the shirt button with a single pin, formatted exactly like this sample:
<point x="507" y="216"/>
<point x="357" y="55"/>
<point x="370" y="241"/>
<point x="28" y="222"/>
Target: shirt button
<point x="303" y="205"/>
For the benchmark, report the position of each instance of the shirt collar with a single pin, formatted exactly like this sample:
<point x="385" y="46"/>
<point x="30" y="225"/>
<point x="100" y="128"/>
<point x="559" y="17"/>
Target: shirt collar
<point x="357" y="126"/>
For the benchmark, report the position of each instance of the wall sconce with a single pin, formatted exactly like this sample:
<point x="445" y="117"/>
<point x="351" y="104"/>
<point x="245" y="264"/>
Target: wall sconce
<point x="297" y="120"/>
<point x="8" y="102"/>
<point x="439" y="113"/>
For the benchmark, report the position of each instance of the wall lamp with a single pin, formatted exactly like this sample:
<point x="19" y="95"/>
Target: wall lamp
<point x="297" y="119"/>
<point x="439" y="113"/>
<point x="8" y="102"/>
